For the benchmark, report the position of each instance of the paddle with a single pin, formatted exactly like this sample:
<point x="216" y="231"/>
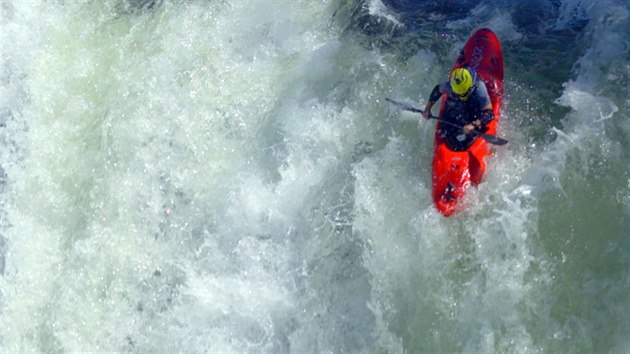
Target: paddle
<point x="492" y="139"/>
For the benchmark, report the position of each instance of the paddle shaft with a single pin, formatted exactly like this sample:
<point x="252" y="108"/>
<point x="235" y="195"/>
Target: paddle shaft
<point x="487" y="137"/>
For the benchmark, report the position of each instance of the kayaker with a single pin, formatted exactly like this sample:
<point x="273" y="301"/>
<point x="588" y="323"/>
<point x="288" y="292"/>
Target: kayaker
<point x="467" y="105"/>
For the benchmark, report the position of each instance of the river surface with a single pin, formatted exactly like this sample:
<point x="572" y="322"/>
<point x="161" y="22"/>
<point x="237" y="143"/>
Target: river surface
<point x="226" y="177"/>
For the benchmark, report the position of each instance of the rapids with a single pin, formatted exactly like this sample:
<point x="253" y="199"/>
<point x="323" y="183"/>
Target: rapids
<point x="226" y="176"/>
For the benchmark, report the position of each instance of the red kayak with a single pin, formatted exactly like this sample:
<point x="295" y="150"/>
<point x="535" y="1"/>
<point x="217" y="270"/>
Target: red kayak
<point x="455" y="171"/>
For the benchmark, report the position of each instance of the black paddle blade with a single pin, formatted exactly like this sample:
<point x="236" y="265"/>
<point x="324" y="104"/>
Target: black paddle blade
<point x="493" y="139"/>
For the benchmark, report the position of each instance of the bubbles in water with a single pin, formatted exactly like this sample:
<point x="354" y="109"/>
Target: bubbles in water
<point x="188" y="176"/>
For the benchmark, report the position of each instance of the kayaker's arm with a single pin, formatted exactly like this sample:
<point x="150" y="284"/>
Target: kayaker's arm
<point x="433" y="97"/>
<point x="487" y="115"/>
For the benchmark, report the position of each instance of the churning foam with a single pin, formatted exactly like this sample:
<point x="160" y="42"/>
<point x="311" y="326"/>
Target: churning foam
<point x="226" y="177"/>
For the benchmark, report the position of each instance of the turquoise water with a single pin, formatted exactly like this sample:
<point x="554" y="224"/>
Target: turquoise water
<point x="191" y="176"/>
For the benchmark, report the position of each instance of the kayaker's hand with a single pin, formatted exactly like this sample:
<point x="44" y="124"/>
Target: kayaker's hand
<point x="472" y="126"/>
<point x="468" y="128"/>
<point x="427" y="110"/>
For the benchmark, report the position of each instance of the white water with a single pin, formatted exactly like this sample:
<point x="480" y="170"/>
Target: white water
<point x="226" y="177"/>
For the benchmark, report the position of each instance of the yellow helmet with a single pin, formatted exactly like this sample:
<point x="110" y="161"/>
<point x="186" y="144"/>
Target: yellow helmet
<point x="461" y="81"/>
